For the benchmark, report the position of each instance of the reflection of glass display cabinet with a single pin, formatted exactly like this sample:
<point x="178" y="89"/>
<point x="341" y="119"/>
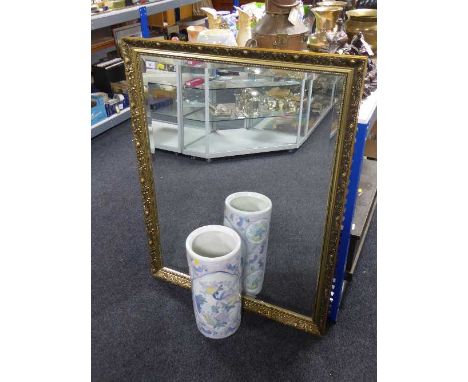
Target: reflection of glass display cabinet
<point x="213" y="110"/>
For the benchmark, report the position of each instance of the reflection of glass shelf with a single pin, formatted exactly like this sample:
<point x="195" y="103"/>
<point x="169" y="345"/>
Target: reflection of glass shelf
<point x="163" y="83"/>
<point x="166" y="135"/>
<point x="159" y="76"/>
<point x="242" y="84"/>
<point x="237" y="141"/>
<point x="198" y="114"/>
<point x="248" y="68"/>
<point x="171" y="111"/>
<point x="150" y="72"/>
<point x="242" y="141"/>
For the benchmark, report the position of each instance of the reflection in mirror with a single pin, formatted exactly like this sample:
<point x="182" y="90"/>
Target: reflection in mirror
<point x="218" y="129"/>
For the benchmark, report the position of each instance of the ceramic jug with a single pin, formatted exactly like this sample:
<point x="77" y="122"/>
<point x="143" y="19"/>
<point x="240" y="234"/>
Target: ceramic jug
<point x="214" y="259"/>
<point x="245" y="31"/>
<point x="193" y="32"/>
<point x="214" y="21"/>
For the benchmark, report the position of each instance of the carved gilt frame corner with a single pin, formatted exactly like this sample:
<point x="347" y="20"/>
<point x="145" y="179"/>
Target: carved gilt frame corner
<point x="354" y="69"/>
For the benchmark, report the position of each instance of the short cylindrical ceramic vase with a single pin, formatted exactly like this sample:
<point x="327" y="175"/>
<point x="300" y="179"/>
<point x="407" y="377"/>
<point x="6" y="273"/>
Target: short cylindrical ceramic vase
<point x="249" y="214"/>
<point x="214" y="258"/>
<point x="193" y="32"/>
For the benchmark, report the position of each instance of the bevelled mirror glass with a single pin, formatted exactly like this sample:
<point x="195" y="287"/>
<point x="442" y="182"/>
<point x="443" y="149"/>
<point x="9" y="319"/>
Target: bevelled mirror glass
<point x="210" y="122"/>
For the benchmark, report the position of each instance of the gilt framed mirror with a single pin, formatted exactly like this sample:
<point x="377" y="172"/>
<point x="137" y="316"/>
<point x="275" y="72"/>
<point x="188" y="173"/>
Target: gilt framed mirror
<point x="210" y="121"/>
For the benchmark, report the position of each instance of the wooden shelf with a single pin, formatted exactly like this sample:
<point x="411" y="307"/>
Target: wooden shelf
<point x="363" y="213"/>
<point x="368" y="191"/>
<point x="102" y="44"/>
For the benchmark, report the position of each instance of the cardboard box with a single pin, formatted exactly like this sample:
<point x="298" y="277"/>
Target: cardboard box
<point x="370" y="151"/>
<point x="98" y="109"/>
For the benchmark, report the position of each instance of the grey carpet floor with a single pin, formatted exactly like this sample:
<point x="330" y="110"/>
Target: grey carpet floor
<point x="143" y="329"/>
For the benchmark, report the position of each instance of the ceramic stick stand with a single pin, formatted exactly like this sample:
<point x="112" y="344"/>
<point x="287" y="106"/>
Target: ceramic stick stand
<point x="249" y="214"/>
<point x="214" y="258"/>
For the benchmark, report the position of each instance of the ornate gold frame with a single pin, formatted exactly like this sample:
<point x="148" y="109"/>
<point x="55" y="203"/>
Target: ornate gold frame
<point x="354" y="69"/>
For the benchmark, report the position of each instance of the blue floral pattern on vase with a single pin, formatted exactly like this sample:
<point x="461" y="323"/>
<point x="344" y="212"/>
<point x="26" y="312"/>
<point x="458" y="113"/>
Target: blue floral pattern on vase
<point x="216" y="295"/>
<point x="254" y="235"/>
<point x="217" y="302"/>
<point x="257" y="232"/>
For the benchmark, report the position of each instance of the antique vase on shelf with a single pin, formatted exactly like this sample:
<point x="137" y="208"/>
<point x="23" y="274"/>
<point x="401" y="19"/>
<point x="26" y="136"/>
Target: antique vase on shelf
<point x="214" y="259"/>
<point x="249" y="213"/>
<point x="325" y="19"/>
<point x="365" y="21"/>
<point x="343" y="4"/>
<point x="275" y="29"/>
<point x="245" y="31"/>
<point x="214" y="21"/>
<point x="193" y="31"/>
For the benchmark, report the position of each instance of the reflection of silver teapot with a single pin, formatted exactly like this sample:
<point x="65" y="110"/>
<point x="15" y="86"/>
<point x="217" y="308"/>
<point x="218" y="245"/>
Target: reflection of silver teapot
<point x="248" y="102"/>
<point x="292" y="105"/>
<point x="270" y="104"/>
<point x="251" y="103"/>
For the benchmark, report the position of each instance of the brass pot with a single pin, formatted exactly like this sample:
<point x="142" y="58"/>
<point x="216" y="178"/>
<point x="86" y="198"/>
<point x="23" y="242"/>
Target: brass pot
<point x="343" y="4"/>
<point x="325" y="21"/>
<point x="325" y="18"/>
<point x="365" y="21"/>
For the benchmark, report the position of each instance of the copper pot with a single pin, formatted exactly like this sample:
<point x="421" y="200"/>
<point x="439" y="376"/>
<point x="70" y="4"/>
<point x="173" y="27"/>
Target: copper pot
<point x="274" y="30"/>
<point x="280" y="7"/>
<point x="365" y="21"/>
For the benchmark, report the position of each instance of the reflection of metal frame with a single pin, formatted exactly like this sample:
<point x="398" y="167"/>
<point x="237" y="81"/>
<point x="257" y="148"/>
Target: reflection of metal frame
<point x="354" y="69"/>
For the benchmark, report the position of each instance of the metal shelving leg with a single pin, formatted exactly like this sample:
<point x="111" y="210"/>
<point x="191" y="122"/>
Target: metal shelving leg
<point x="332" y="101"/>
<point x="332" y="109"/>
<point x="180" y="111"/>
<point x="299" y="122"/>
<point x="207" y="112"/>
<point x="144" y="22"/>
<point x="309" y="104"/>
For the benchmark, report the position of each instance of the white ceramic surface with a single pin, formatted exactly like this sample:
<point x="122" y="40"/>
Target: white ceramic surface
<point x="217" y="37"/>
<point x="193" y="32"/>
<point x="249" y="214"/>
<point x="245" y="31"/>
<point x="214" y="259"/>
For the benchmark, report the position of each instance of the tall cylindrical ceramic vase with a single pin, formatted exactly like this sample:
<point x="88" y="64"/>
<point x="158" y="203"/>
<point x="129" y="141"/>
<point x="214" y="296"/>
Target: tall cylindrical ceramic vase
<point x="214" y="258"/>
<point x="249" y="213"/>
